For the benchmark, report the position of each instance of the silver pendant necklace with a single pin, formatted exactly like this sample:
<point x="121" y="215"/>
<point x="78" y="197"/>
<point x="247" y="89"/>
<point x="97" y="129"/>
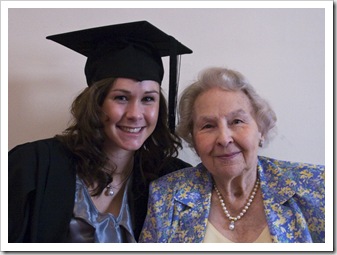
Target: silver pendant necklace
<point x="243" y="211"/>
<point x="109" y="188"/>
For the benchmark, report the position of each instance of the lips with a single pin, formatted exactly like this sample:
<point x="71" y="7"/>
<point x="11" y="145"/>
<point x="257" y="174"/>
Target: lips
<point x="228" y="155"/>
<point x="131" y="129"/>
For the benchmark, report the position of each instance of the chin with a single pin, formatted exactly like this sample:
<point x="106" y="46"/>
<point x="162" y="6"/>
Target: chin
<point x="132" y="147"/>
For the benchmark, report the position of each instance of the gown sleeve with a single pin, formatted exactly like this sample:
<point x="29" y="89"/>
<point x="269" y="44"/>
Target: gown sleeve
<point x="41" y="188"/>
<point x="22" y="165"/>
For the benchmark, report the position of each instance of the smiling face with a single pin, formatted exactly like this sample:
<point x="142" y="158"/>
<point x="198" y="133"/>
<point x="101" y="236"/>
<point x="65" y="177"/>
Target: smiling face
<point x="130" y="113"/>
<point x="225" y="133"/>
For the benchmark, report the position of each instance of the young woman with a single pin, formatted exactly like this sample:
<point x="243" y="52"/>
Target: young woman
<point x="90" y="184"/>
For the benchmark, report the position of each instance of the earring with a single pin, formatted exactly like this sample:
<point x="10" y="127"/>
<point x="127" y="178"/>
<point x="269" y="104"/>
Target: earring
<point x="261" y="143"/>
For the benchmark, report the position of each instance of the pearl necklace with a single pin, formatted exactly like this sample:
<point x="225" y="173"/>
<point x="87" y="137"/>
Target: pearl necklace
<point x="245" y="208"/>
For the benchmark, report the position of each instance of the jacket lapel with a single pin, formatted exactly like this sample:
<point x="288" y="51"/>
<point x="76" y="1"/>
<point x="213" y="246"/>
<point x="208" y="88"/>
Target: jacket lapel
<point x="283" y="215"/>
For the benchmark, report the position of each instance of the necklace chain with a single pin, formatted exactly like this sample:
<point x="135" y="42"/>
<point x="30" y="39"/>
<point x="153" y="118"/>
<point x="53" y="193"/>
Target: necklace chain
<point x="245" y="208"/>
<point x="109" y="187"/>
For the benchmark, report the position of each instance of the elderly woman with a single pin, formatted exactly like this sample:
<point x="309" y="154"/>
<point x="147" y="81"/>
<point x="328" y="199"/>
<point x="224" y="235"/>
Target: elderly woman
<point x="234" y="195"/>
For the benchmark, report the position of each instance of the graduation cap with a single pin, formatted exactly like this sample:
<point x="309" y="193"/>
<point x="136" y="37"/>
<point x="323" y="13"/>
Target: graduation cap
<point x="129" y="50"/>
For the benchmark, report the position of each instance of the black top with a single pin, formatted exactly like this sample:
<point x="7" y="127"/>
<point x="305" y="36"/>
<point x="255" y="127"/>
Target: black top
<point x="41" y="190"/>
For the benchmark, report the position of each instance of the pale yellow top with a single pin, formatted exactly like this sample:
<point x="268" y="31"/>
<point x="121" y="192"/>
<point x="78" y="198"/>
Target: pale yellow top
<point x="214" y="236"/>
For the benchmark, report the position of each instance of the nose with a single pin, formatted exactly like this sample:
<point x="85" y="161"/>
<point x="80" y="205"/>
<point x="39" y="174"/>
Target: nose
<point x="225" y="135"/>
<point x="134" y="111"/>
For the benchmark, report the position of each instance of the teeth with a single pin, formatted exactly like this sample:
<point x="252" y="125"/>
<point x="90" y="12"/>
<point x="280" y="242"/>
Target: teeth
<point x="131" y="130"/>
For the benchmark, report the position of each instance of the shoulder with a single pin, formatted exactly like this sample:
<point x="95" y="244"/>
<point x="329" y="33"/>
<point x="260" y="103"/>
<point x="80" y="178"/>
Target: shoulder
<point x="43" y="146"/>
<point x="289" y="164"/>
<point x="31" y="145"/>
<point x="41" y="154"/>
<point x="189" y="176"/>
<point x="306" y="176"/>
<point x="172" y="164"/>
<point x="297" y="168"/>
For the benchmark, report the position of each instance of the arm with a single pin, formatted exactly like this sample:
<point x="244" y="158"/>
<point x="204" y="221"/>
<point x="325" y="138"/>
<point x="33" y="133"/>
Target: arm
<point x="160" y="207"/>
<point x="313" y="201"/>
<point x="21" y="191"/>
<point x="40" y="193"/>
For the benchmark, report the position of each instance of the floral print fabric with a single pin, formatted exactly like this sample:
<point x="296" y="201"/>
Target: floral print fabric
<point x="293" y="195"/>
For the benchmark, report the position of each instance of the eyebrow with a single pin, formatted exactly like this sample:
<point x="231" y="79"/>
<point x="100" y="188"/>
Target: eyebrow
<point x="151" y="92"/>
<point x="239" y="112"/>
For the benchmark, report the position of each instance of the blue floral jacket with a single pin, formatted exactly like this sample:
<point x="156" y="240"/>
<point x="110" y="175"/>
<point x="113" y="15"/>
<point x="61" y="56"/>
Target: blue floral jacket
<point x="293" y="196"/>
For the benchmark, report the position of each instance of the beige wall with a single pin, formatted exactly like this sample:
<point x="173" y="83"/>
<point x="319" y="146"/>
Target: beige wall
<point x="281" y="51"/>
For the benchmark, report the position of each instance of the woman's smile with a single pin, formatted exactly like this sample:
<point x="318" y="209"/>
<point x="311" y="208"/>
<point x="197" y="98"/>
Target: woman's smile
<point x="132" y="130"/>
<point x="228" y="155"/>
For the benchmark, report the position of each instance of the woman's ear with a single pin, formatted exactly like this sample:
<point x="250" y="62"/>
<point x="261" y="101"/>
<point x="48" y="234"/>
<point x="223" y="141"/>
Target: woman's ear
<point x="261" y="141"/>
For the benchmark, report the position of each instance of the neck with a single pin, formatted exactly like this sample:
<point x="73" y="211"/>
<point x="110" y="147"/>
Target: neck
<point x="119" y="159"/>
<point x="123" y="170"/>
<point x="123" y="165"/>
<point x="236" y="188"/>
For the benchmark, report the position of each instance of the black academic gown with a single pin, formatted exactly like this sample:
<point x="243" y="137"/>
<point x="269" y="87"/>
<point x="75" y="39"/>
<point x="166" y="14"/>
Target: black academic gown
<point x="41" y="191"/>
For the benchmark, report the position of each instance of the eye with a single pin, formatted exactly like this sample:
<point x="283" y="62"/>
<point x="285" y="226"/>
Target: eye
<point x="207" y="126"/>
<point x="148" y="99"/>
<point x="120" y="98"/>
<point x="237" y="121"/>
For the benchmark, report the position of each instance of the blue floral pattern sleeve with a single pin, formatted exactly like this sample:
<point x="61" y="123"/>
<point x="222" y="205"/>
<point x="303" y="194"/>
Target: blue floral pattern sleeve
<point x="294" y="200"/>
